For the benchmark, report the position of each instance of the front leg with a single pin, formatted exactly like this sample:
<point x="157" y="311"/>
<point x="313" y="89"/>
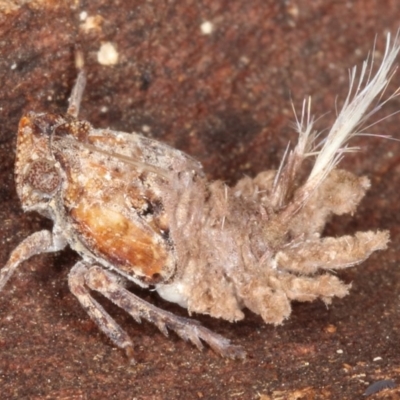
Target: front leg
<point x="39" y="242"/>
<point x="107" y="284"/>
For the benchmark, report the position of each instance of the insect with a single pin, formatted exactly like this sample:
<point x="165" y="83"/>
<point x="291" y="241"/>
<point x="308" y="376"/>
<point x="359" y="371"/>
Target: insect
<point x="138" y="210"/>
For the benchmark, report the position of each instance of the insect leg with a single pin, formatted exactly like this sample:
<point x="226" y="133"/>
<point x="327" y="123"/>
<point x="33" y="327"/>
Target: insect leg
<point x="106" y="283"/>
<point x="76" y="281"/>
<point x="39" y="242"/>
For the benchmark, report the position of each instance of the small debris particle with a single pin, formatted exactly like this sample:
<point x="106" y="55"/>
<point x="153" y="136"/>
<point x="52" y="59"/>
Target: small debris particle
<point x="347" y="367"/>
<point x="380" y="385"/>
<point x="91" y="22"/>
<point x="206" y="28"/>
<point x="293" y="11"/>
<point x="146" y="128"/>
<point x="107" y="55"/>
<point x="330" y="328"/>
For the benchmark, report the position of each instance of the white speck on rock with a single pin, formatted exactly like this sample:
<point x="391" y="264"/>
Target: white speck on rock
<point x="83" y="15"/>
<point x="206" y="28"/>
<point x="107" y="54"/>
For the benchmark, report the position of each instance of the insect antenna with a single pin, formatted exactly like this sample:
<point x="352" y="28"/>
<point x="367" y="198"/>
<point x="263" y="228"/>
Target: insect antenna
<point x="77" y="91"/>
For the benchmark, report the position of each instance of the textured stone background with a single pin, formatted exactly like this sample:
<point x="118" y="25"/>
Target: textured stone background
<point x="225" y="99"/>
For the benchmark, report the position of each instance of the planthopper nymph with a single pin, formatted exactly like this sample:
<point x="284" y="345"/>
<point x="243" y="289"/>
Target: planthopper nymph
<point x="137" y="210"/>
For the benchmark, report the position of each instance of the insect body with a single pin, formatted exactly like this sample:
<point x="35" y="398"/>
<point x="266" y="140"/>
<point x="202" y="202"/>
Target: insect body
<point x="138" y="210"/>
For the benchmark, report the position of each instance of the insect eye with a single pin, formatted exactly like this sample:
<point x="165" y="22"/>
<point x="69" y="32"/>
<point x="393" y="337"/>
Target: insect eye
<point x="43" y="176"/>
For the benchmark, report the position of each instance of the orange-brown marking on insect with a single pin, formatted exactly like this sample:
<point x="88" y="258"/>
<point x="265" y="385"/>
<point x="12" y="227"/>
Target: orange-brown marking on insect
<point x="119" y="240"/>
<point x="24" y="139"/>
<point x="24" y="121"/>
<point x="103" y="139"/>
<point x="27" y="145"/>
<point x="97" y="169"/>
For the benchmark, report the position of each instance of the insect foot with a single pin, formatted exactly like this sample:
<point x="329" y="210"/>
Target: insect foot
<point x="138" y="210"/>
